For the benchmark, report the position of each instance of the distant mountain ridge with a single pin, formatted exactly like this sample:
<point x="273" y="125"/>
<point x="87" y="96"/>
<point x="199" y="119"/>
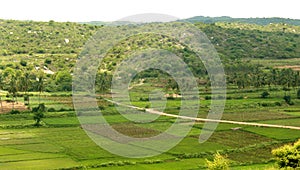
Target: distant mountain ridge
<point x="209" y="20"/>
<point x="258" y="21"/>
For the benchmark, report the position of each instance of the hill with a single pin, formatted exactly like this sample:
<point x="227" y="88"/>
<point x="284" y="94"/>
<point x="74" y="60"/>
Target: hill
<point x="53" y="47"/>
<point x="258" y="21"/>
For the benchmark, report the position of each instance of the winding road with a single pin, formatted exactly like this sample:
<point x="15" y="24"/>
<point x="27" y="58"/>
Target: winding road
<point x="206" y="120"/>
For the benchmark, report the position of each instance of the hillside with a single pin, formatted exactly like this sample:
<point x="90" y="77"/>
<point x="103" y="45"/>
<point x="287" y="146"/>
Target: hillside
<point x="258" y="21"/>
<point x="53" y="47"/>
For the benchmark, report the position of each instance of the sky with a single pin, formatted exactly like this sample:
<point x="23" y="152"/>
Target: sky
<point x="112" y="10"/>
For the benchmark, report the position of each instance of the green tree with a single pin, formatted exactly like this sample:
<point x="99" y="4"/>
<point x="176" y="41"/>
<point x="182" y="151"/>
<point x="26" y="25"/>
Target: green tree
<point x="13" y="89"/>
<point x="298" y="94"/>
<point x="103" y="82"/>
<point x="39" y="114"/>
<point x="288" y="156"/>
<point x="63" y="80"/>
<point x="40" y="84"/>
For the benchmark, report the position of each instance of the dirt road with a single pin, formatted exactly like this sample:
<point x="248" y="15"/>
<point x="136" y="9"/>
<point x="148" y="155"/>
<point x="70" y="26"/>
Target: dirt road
<point x="207" y="120"/>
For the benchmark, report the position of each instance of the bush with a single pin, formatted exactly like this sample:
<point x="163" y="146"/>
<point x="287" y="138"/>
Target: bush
<point x="219" y="163"/>
<point x="23" y="63"/>
<point x="48" y="61"/>
<point x="144" y="99"/>
<point x="278" y="104"/>
<point x="288" y="100"/>
<point x="207" y="97"/>
<point x="265" y="94"/>
<point x="14" y="112"/>
<point x="51" y="109"/>
<point x="288" y="156"/>
<point x="101" y="107"/>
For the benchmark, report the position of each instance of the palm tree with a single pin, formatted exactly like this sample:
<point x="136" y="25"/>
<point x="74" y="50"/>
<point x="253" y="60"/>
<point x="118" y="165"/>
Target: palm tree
<point x="40" y="85"/>
<point x="13" y="89"/>
<point x="24" y="85"/>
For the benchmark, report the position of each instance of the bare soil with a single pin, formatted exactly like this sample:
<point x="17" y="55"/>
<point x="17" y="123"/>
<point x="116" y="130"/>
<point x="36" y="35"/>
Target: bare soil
<point x="8" y="106"/>
<point x="295" y="67"/>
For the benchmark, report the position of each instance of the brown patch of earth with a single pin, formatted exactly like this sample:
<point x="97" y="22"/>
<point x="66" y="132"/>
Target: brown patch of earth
<point x="8" y="106"/>
<point x="295" y="67"/>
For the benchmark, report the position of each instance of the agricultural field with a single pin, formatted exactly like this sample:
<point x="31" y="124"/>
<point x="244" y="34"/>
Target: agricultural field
<point x="40" y="127"/>
<point x="61" y="143"/>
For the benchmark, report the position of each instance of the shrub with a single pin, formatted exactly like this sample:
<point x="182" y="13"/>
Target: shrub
<point x="48" y="61"/>
<point x="144" y="99"/>
<point x="219" y="163"/>
<point x="62" y="109"/>
<point x="23" y="63"/>
<point x="265" y="94"/>
<point x="14" y="112"/>
<point x="101" y="107"/>
<point x="51" y="109"/>
<point x="288" y="100"/>
<point x="207" y="97"/>
<point x="288" y="156"/>
<point x="278" y="104"/>
<point x="264" y="104"/>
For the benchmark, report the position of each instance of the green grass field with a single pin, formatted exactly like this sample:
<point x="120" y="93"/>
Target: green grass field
<point x="62" y="143"/>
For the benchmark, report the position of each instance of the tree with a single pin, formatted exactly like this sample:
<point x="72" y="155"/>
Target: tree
<point x="103" y="81"/>
<point x="40" y="84"/>
<point x="219" y="163"/>
<point x="12" y="89"/>
<point x="24" y="84"/>
<point x="39" y="114"/>
<point x="298" y="94"/>
<point x="64" y="81"/>
<point x="288" y="156"/>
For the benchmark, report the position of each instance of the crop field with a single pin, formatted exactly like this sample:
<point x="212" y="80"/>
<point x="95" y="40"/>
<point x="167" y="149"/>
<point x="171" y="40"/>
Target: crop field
<point x="62" y="143"/>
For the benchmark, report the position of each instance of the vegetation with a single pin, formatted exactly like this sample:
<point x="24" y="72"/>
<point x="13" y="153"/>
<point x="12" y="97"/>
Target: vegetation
<point x="288" y="155"/>
<point x="219" y="163"/>
<point x="39" y="113"/>
<point x="37" y="59"/>
<point x="258" y="21"/>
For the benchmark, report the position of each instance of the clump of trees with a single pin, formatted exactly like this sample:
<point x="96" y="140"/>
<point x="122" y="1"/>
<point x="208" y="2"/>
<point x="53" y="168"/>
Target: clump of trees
<point x="288" y="156"/>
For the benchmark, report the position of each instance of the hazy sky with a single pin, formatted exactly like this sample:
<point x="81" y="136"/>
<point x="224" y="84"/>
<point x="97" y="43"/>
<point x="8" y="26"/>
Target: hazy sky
<point x="111" y="10"/>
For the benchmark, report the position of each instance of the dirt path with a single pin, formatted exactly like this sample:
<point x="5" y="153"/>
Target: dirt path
<point x="207" y="120"/>
<point x="135" y="85"/>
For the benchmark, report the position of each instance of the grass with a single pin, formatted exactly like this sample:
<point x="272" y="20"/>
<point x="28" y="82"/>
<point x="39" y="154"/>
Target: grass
<point x="53" y="163"/>
<point x="62" y="143"/>
<point x="275" y="133"/>
<point x="237" y="138"/>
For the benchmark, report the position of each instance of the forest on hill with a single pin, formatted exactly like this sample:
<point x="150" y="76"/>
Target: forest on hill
<point x="50" y="49"/>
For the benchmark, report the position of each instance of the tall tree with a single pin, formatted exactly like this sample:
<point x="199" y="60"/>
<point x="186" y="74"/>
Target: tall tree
<point x="40" y="84"/>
